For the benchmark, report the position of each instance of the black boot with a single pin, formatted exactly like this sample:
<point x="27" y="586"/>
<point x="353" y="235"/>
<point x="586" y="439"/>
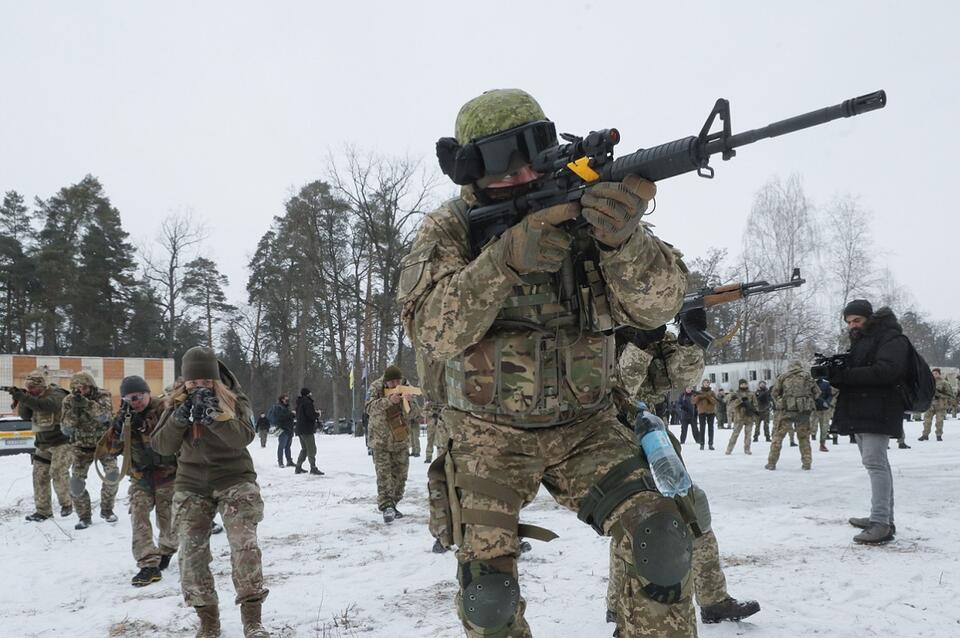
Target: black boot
<point x="66" y="510"/>
<point x="36" y="517"/>
<point x="438" y="547"/>
<point x="729" y="609"/>
<point x="299" y="470"/>
<point x="164" y="562"/>
<point x="108" y="516"/>
<point x="83" y="524"/>
<point x="315" y="471"/>
<point x="146" y="576"/>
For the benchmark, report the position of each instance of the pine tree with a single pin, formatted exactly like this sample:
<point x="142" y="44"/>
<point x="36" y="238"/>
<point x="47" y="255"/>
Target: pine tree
<point x="203" y="289"/>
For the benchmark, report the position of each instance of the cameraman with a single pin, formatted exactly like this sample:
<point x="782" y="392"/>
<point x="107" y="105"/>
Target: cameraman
<point x="870" y="405"/>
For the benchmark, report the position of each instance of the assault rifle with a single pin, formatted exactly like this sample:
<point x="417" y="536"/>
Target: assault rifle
<point x="570" y="168"/>
<point x="709" y="297"/>
<point x="406" y="392"/>
<point x="692" y="315"/>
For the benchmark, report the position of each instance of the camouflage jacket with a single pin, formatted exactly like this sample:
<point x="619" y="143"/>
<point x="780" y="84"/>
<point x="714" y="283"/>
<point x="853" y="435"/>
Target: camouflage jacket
<point x="89" y="417"/>
<point x="741" y="405"/>
<point x="943" y="396"/>
<point x="795" y="390"/>
<point x="648" y="374"/>
<point x="515" y="350"/>
<point x="389" y="427"/>
<point x="146" y="464"/>
<point x="44" y="412"/>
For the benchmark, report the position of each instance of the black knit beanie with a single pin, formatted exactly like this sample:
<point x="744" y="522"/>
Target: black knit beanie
<point x="132" y="384"/>
<point x="860" y="307"/>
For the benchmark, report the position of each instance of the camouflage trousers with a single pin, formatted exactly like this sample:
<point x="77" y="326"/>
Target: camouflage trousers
<point x="52" y="464"/>
<point x="709" y="583"/>
<point x="144" y="500"/>
<point x="784" y="424"/>
<point x="928" y="418"/>
<point x="820" y="421"/>
<point x="436" y="437"/>
<point x="739" y="425"/>
<point x="391" y="467"/>
<point x="415" y="438"/>
<point x="241" y="508"/>
<point x="568" y="461"/>
<point x="82" y="460"/>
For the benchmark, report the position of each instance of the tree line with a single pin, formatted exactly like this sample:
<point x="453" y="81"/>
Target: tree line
<point x="320" y="301"/>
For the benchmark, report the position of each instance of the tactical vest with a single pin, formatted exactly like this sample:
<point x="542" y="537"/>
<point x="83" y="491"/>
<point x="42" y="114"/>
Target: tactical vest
<point x="796" y="393"/>
<point x="546" y="360"/>
<point x="49" y="421"/>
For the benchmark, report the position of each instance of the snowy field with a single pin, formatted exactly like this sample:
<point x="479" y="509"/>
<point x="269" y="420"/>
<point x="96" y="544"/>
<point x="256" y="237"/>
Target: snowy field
<point x="334" y="570"/>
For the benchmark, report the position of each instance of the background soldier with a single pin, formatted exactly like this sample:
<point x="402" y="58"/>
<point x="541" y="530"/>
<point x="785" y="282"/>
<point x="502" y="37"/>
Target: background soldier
<point x="820" y="417"/>
<point x="207" y="421"/>
<point x="722" y="409"/>
<point x="705" y="401"/>
<point x="942" y="399"/>
<point x="763" y="413"/>
<point x="528" y="366"/>
<point x="645" y="374"/>
<point x="434" y="429"/>
<point x="151" y="479"/>
<point x="42" y="404"/>
<point x="795" y="393"/>
<point x="389" y="437"/>
<point x="743" y="410"/>
<point x="86" y="418"/>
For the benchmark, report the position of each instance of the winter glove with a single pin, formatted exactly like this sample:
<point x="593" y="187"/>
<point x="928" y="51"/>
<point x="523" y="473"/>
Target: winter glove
<point x="614" y="209"/>
<point x="536" y="244"/>
<point x="183" y="412"/>
<point x="696" y="321"/>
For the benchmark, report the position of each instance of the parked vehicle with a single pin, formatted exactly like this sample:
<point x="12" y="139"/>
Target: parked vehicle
<point x="16" y="436"/>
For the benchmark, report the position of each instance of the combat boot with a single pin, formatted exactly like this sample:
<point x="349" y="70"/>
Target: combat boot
<point x="36" y="517"/>
<point x="939" y="438"/>
<point x="924" y="438"/>
<point x="108" y="516"/>
<point x="793" y="444"/>
<point x="316" y="472"/>
<point x="209" y="621"/>
<point x="83" y="524"/>
<point x="823" y="447"/>
<point x="428" y="460"/>
<point x="397" y="513"/>
<point x="215" y="528"/>
<point x="389" y="514"/>
<point x="864" y="523"/>
<point x="903" y="446"/>
<point x="728" y="609"/>
<point x="876" y="534"/>
<point x="804" y="467"/>
<point x="299" y="470"/>
<point x="768" y="466"/>
<point x="252" y="625"/>
<point x="66" y="510"/>
<point x="146" y="576"/>
<point x="438" y="547"/>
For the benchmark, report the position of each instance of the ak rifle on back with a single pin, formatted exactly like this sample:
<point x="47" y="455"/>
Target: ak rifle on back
<point x="707" y="297"/>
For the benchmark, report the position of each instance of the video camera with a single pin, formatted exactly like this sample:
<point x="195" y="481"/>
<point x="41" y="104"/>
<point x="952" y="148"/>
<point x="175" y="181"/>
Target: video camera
<point x="823" y="364"/>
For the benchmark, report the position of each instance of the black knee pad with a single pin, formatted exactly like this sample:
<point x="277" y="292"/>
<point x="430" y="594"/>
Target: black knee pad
<point x="662" y="549"/>
<point x="489" y="596"/>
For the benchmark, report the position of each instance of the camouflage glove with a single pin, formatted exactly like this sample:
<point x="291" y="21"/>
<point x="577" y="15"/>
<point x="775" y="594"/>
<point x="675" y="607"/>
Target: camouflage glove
<point x="536" y="244"/>
<point x="614" y="209"/>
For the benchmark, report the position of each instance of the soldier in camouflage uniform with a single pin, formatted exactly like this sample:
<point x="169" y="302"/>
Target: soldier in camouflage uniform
<point x="151" y="479"/>
<point x="86" y="418"/>
<point x="795" y="393"/>
<point x="648" y="372"/>
<point x="389" y="436"/>
<point x="529" y="355"/>
<point x="435" y="438"/>
<point x="208" y="422"/>
<point x="42" y="405"/>
<point x="743" y="410"/>
<point x="943" y="396"/>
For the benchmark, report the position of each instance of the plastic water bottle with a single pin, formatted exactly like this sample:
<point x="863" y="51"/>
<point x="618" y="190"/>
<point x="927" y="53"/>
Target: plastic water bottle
<point x="668" y="472"/>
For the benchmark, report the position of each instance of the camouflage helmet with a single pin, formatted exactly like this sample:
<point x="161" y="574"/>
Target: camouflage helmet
<point x="82" y="378"/>
<point x="37" y="378"/>
<point x="496" y="111"/>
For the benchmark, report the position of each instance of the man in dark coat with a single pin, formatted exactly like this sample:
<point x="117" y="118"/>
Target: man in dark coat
<point x="870" y="405"/>
<point x="307" y="420"/>
<point x="281" y="417"/>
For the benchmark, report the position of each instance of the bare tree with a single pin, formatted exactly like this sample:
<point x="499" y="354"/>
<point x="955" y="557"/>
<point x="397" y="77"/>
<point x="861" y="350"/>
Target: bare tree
<point x="851" y="256"/>
<point x="180" y="234"/>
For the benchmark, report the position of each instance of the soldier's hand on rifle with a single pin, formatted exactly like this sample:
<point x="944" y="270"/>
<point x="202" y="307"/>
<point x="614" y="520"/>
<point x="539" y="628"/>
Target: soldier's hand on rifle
<point x="536" y="244"/>
<point x="614" y="209"/>
<point x="396" y="398"/>
<point x="183" y="412"/>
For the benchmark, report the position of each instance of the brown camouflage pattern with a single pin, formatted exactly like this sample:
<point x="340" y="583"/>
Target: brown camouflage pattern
<point x="784" y="424"/>
<point x="82" y="460"/>
<point x="795" y="391"/>
<point x="144" y="500"/>
<point x="388" y="426"/>
<point x="89" y="416"/>
<point x="241" y="509"/>
<point x="52" y="465"/>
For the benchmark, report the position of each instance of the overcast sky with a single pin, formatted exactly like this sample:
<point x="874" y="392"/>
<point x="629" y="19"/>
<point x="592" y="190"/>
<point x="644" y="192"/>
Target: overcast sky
<point x="226" y="107"/>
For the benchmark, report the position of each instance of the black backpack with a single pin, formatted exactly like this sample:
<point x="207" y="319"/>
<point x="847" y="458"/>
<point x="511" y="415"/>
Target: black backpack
<point x="919" y="386"/>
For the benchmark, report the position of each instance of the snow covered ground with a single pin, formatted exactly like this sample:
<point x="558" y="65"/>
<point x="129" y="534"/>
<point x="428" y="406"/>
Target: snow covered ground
<point x="334" y="570"/>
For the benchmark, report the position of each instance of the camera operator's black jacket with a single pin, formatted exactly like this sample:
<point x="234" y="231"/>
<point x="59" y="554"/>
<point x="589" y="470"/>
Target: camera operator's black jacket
<point x="870" y="400"/>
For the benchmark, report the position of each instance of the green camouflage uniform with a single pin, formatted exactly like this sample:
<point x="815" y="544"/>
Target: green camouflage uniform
<point x="389" y="438"/>
<point x="151" y="488"/>
<point x="435" y="432"/>
<point x="942" y="399"/>
<point x="88" y="418"/>
<point x="742" y="410"/>
<point x="413" y="418"/>
<point x="795" y="393"/>
<point x="528" y="402"/>
<point x="53" y="454"/>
